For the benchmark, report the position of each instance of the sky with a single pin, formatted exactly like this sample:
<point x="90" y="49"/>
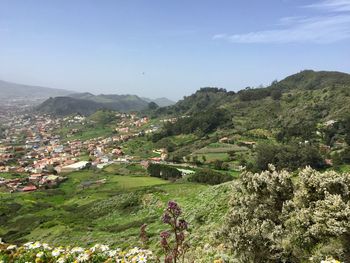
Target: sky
<point x="164" y="48"/>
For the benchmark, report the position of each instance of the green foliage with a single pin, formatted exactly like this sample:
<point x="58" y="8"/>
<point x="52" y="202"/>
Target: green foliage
<point x="319" y="216"/>
<point x="345" y="156"/>
<point x="254" y="225"/>
<point x="346" y="129"/>
<point x="2" y="130"/>
<point x="273" y="220"/>
<point x="201" y="123"/>
<point x="276" y="94"/>
<point x="311" y="80"/>
<point x="62" y="106"/>
<point x="207" y="176"/>
<point x="200" y="101"/>
<point x="220" y="165"/>
<point x="163" y="171"/>
<point x="103" y="117"/>
<point x="249" y="94"/>
<point x="291" y="157"/>
<point x="303" y="129"/>
<point x="167" y="144"/>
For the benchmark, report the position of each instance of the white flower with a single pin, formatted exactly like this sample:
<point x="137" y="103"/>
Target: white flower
<point x="34" y="245"/>
<point x="141" y="259"/>
<point x="61" y="260"/>
<point x="83" y="257"/>
<point x="40" y="254"/>
<point x="46" y="246"/>
<point x="77" y="250"/>
<point x="11" y="247"/>
<point x="26" y="245"/>
<point x="95" y="247"/>
<point x="133" y="251"/>
<point x="56" y="252"/>
<point x="104" y="248"/>
<point x="112" y="253"/>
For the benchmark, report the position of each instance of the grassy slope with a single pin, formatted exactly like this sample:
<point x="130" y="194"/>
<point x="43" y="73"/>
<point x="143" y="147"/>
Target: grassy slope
<point x="111" y="213"/>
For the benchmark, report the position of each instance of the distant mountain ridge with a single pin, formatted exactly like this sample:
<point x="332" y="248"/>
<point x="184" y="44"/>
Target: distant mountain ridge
<point x="161" y="102"/>
<point x="14" y="91"/>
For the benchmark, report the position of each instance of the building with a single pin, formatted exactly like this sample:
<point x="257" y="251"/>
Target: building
<point x="74" y="167"/>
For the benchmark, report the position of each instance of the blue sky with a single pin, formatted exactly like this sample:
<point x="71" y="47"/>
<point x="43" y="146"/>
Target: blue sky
<point x="159" y="48"/>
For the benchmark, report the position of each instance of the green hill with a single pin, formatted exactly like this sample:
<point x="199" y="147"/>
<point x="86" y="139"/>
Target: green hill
<point x="87" y="103"/>
<point x="203" y="99"/>
<point x="308" y="95"/>
<point x="61" y="106"/>
<point x="289" y="111"/>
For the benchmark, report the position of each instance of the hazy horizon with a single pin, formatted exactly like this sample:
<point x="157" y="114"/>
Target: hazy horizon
<point x="169" y="49"/>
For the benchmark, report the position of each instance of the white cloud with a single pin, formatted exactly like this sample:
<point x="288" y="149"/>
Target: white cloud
<point x="328" y="27"/>
<point x="332" y="5"/>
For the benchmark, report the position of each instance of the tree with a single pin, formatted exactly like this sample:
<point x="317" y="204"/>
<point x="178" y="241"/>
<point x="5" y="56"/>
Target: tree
<point x="207" y="176"/>
<point x="276" y="94"/>
<point x="218" y="164"/>
<point x="290" y="157"/>
<point x="163" y="171"/>
<point x="273" y="220"/>
<point x="195" y="159"/>
<point x="318" y="217"/>
<point x="254" y="223"/>
<point x="346" y="125"/>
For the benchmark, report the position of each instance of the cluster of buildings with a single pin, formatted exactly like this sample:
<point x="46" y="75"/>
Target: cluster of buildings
<point x="42" y="147"/>
<point x="32" y="182"/>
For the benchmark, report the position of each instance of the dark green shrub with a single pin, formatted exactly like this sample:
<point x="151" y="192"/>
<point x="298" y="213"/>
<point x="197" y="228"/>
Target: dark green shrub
<point x="163" y="171"/>
<point x="211" y="177"/>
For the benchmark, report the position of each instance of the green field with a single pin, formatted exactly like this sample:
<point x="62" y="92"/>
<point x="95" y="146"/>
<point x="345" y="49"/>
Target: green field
<point x="212" y="156"/>
<point x="85" y="132"/>
<point x="80" y="212"/>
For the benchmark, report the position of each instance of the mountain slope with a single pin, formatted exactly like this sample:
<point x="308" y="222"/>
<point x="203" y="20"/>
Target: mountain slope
<point x="308" y="96"/>
<point x="62" y="106"/>
<point x="114" y="101"/>
<point x="203" y="99"/>
<point x="87" y="103"/>
<point x="310" y="80"/>
<point x="302" y="97"/>
<point x="161" y="102"/>
<point x="14" y="91"/>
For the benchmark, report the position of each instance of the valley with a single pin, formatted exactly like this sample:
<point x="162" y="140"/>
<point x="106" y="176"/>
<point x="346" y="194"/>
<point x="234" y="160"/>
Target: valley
<point x="104" y="177"/>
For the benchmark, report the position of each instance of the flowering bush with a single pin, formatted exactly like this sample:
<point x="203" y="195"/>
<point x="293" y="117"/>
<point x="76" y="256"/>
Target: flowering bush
<point x="41" y="253"/>
<point x="273" y="219"/>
